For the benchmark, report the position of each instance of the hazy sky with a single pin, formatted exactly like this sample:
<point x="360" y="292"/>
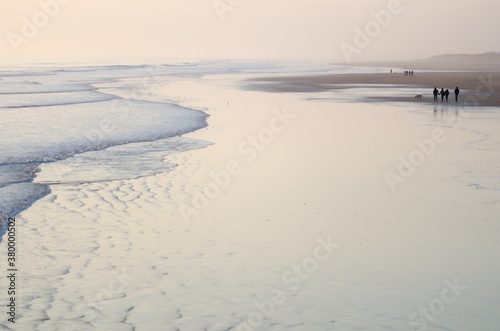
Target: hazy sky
<point x="288" y="29"/>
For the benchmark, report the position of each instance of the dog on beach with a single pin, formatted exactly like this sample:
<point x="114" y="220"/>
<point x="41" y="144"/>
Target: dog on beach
<point x="418" y="96"/>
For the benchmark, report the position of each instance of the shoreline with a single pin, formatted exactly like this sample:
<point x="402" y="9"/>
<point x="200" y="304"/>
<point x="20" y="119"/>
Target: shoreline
<point x="317" y="177"/>
<point x="474" y="86"/>
<point x="116" y="108"/>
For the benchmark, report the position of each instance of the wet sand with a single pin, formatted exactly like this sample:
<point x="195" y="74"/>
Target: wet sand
<point x="195" y="248"/>
<point x="475" y="86"/>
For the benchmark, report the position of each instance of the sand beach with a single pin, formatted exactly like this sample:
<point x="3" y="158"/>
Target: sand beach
<point x="230" y="165"/>
<point x="291" y="210"/>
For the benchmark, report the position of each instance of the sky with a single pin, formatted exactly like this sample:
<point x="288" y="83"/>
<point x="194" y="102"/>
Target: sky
<point x="324" y="30"/>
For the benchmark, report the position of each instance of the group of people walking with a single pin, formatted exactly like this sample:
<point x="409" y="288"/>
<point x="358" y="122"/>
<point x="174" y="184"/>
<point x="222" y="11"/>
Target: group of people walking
<point x="406" y="72"/>
<point x="444" y="94"/>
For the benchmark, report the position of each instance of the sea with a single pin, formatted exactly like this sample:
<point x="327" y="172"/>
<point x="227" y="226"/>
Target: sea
<point x="100" y="120"/>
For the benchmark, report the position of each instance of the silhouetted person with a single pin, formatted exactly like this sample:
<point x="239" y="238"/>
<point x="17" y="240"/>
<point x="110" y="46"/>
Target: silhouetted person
<point x="457" y="91"/>
<point x="446" y="94"/>
<point x="435" y="92"/>
<point x="442" y="95"/>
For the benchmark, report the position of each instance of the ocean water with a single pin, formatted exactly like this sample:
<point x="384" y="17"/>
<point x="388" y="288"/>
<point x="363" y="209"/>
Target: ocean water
<point x="98" y="121"/>
<point x="53" y="112"/>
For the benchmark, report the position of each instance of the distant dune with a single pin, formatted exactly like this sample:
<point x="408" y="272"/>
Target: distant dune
<point x="481" y="62"/>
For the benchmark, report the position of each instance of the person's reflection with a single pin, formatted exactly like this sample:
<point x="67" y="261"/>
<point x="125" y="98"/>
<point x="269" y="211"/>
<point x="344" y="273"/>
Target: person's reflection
<point x="444" y="113"/>
<point x="457" y="114"/>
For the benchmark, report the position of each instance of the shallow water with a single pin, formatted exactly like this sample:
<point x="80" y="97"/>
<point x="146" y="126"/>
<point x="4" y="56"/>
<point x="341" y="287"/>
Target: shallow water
<point x="53" y="111"/>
